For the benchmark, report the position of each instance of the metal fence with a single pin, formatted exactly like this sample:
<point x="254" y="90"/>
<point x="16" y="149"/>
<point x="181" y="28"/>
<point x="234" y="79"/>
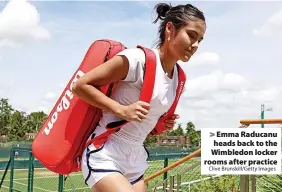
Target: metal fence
<point x="24" y="173"/>
<point x="221" y="183"/>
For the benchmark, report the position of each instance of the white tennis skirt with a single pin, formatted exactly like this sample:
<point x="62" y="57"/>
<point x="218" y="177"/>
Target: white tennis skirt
<point x="114" y="156"/>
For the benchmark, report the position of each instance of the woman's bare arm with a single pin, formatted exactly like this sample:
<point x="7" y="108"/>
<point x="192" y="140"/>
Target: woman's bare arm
<point x="113" y="70"/>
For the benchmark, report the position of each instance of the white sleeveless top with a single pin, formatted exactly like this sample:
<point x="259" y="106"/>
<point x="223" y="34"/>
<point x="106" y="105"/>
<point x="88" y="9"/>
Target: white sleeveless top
<point x="128" y="92"/>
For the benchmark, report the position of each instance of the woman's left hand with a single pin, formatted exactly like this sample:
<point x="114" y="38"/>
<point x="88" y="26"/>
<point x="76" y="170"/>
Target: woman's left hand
<point x="170" y="122"/>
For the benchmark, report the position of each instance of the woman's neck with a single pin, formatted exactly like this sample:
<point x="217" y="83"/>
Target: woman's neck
<point x="167" y="61"/>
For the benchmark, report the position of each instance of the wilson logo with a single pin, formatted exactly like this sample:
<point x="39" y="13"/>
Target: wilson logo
<point x="180" y="90"/>
<point x="63" y="105"/>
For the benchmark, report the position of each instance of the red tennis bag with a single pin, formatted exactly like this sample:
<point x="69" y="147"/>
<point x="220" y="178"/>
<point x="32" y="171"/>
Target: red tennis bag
<point x="62" y="138"/>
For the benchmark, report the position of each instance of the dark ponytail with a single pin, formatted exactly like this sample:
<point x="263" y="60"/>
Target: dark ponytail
<point x="178" y="15"/>
<point x="161" y="10"/>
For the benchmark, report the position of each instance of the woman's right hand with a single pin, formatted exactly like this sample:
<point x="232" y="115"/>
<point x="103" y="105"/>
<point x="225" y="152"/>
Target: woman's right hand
<point x="134" y="112"/>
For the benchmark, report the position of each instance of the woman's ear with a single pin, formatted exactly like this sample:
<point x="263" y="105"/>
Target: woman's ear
<point x="169" y="30"/>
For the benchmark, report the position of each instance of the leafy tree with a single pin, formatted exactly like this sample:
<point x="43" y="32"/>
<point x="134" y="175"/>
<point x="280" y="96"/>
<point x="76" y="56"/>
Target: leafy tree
<point x="189" y="127"/>
<point x="193" y="135"/>
<point x="179" y="130"/>
<point x="176" y="132"/>
<point x="35" y="121"/>
<point x="15" y="124"/>
<point x="171" y="133"/>
<point x="17" y="127"/>
<point x="150" y="141"/>
<point x="5" y="114"/>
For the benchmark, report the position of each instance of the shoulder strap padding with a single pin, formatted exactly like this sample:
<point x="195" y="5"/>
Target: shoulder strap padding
<point x="159" y="128"/>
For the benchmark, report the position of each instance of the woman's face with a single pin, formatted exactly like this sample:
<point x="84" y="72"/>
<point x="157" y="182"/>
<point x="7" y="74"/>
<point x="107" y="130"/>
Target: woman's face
<point x="185" y="42"/>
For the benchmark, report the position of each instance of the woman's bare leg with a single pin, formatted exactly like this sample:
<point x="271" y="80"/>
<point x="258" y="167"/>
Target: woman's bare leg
<point x="114" y="182"/>
<point x="139" y="186"/>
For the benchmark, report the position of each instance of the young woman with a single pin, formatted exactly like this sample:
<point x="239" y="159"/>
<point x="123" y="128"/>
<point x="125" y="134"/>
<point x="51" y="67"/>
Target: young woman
<point x="119" y="165"/>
